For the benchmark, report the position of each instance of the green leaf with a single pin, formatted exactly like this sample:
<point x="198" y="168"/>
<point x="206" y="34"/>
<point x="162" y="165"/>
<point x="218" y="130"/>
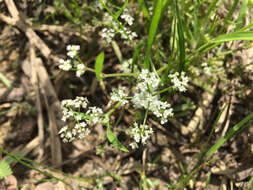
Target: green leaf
<point x="152" y="30"/>
<point x="4" y="169"/>
<point x="99" y="65"/>
<point x="114" y="140"/>
<point x="232" y="132"/>
<point x="247" y="35"/>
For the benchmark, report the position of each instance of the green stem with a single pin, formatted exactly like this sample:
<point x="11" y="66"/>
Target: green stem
<point x="119" y="75"/>
<point x="31" y="167"/>
<point x="164" y="90"/>
<point x="145" y="117"/>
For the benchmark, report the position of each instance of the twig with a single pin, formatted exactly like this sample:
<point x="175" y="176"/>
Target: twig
<point x="34" y="80"/>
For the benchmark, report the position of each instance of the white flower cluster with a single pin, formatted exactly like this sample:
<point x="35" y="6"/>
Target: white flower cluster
<point x="72" y="64"/>
<point x="128" y="33"/>
<point x="80" y="69"/>
<point x="82" y="120"/>
<point x="140" y="134"/>
<point x="145" y="96"/>
<point x="72" y="50"/>
<point x="108" y="34"/>
<point x="127" y="17"/>
<point x="126" y="66"/>
<point x="180" y="82"/>
<point x="119" y="95"/>
<point x="65" y="64"/>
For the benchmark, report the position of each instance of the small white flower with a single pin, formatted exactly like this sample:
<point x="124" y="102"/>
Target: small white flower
<point x="78" y="117"/>
<point x="65" y="64"/>
<point x="108" y="34"/>
<point x="63" y="129"/>
<point x="80" y="66"/>
<point x="132" y="35"/>
<point x="119" y="95"/>
<point x="179" y="81"/>
<point x="126" y="66"/>
<point x="80" y="69"/>
<point x="83" y="124"/>
<point x="140" y="134"/>
<point x="94" y="113"/>
<point x="129" y="19"/>
<point x="134" y="145"/>
<point x="72" y="50"/>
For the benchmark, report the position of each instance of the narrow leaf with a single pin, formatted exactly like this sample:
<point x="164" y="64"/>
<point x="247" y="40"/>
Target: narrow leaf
<point x="181" y="40"/>
<point x="247" y="35"/>
<point x="114" y="140"/>
<point x="99" y="65"/>
<point x="232" y="132"/>
<point x="152" y="30"/>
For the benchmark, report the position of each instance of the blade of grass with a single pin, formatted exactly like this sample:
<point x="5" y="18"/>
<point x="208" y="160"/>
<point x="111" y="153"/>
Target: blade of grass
<point x="215" y="123"/>
<point x="247" y="35"/>
<point x="246" y="27"/>
<point x="181" y="39"/>
<point x="232" y="132"/>
<point x="152" y="31"/>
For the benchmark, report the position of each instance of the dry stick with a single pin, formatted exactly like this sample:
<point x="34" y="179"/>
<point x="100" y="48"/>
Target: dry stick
<point x="12" y="9"/>
<point x="34" y="80"/>
<point x="230" y="108"/>
<point x="61" y="29"/>
<point x="53" y="109"/>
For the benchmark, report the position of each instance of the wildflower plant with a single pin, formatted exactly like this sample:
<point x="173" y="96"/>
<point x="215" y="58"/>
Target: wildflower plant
<point x="143" y="95"/>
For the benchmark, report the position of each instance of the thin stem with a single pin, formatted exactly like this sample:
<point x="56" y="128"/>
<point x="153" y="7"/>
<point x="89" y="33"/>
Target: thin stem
<point x="103" y="75"/>
<point x="145" y="117"/>
<point x="31" y="167"/>
<point x="164" y="90"/>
